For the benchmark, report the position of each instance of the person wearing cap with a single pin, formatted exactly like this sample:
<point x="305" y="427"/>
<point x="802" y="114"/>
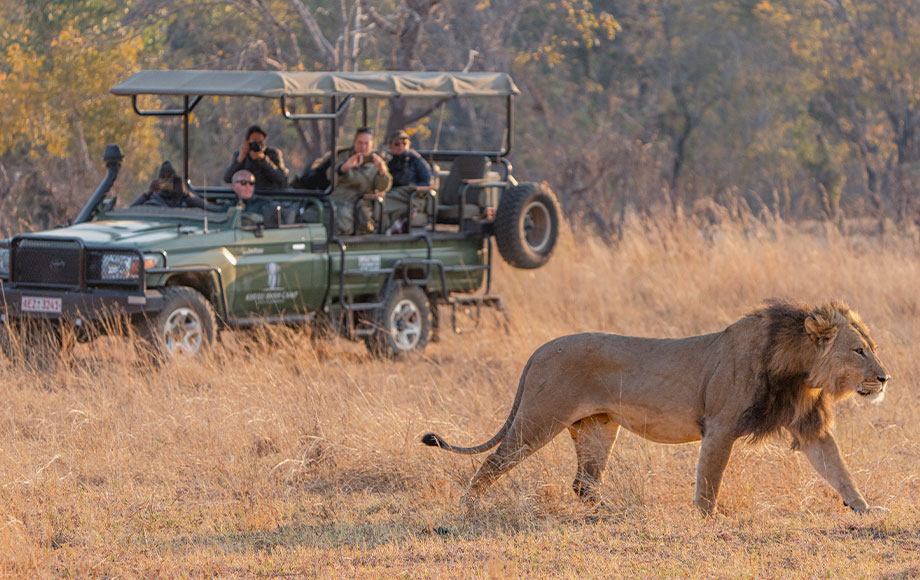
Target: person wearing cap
<point x="264" y="162"/>
<point x="168" y="190"/>
<point x="410" y="175"/>
<point x="361" y="173"/>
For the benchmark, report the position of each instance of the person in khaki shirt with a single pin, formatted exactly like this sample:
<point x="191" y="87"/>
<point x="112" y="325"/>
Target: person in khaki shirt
<point x="361" y="173"/>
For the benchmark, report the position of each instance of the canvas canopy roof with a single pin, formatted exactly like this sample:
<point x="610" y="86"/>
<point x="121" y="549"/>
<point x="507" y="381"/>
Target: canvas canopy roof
<point x="274" y="84"/>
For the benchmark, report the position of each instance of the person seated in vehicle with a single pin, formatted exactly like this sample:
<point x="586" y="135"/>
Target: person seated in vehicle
<point x="411" y="174"/>
<point x="264" y="162"/>
<point x="168" y="190"/>
<point x="253" y="206"/>
<point x="361" y="172"/>
<point x="315" y="176"/>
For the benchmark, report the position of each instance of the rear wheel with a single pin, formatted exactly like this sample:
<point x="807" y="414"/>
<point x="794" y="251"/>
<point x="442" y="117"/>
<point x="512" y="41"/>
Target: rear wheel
<point x="403" y="324"/>
<point x="527" y="225"/>
<point x="184" y="328"/>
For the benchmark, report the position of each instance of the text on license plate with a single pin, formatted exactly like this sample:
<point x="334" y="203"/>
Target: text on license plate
<point x="41" y="304"/>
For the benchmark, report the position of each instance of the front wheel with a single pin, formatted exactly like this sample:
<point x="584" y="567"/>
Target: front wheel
<point x="527" y="225"/>
<point x="403" y="324"/>
<point x="185" y="326"/>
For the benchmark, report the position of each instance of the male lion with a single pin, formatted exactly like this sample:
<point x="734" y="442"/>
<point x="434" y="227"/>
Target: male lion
<point x="781" y="366"/>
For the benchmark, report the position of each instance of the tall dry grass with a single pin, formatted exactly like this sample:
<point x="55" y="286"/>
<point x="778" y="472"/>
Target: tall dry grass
<point x="280" y="457"/>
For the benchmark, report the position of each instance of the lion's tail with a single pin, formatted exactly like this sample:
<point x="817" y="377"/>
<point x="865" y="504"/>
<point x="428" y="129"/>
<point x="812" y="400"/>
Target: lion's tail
<point x="435" y="440"/>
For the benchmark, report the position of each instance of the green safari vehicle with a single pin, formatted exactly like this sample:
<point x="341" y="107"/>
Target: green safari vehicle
<point x="179" y="275"/>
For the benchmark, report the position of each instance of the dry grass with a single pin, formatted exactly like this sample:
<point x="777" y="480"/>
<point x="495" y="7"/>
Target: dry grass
<point x="277" y="459"/>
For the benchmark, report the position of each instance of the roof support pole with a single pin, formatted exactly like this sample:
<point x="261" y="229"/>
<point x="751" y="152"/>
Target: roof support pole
<point x="185" y="152"/>
<point x="509" y="127"/>
<point x="335" y="133"/>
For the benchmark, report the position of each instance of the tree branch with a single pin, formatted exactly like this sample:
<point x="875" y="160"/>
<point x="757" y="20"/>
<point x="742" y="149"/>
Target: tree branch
<point x="385" y="24"/>
<point x="322" y="44"/>
<point x="412" y="118"/>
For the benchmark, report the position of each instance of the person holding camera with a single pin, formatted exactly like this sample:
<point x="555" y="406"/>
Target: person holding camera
<point x="362" y="174"/>
<point x="265" y="163"/>
<point x="168" y="190"/>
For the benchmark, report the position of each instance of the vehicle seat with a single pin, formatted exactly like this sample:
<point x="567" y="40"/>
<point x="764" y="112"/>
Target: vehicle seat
<point x="277" y="215"/>
<point x="463" y="171"/>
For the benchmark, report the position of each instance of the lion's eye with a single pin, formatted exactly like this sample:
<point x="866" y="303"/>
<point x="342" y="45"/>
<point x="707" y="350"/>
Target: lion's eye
<point x="859" y="351"/>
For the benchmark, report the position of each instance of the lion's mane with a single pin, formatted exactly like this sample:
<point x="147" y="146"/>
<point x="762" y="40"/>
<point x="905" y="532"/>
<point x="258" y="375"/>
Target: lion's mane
<point x="795" y="384"/>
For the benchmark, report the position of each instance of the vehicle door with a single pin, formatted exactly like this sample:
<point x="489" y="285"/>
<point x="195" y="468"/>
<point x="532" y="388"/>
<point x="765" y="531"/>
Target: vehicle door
<point x="280" y="271"/>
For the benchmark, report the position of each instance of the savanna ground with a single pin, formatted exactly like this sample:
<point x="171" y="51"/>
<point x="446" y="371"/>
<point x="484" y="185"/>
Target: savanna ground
<point x="276" y="457"/>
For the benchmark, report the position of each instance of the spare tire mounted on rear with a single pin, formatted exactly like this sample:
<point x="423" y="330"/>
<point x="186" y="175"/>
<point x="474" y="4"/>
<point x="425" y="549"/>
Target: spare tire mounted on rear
<point x="527" y="225"/>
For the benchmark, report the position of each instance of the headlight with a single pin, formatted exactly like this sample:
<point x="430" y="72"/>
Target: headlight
<point x="4" y="261"/>
<point x="114" y="266"/>
<point x="120" y="266"/>
<point x="152" y="261"/>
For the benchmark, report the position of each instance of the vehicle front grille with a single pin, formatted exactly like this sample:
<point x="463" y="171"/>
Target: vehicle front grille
<point x="47" y="262"/>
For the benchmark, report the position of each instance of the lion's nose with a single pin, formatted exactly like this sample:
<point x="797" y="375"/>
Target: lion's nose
<point x="884" y="379"/>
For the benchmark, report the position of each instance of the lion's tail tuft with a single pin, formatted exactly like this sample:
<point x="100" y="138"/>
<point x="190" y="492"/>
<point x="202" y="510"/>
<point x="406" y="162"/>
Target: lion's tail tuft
<point x="432" y="440"/>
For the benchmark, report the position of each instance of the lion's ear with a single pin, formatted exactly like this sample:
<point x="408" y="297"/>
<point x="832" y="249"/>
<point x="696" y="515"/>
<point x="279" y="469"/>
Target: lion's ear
<point x="820" y="329"/>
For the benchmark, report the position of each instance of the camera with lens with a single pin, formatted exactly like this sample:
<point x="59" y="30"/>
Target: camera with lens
<point x="255" y="146"/>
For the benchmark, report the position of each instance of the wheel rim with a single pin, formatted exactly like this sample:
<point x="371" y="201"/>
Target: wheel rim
<point x="537" y="226"/>
<point x="405" y="325"/>
<point x="182" y="333"/>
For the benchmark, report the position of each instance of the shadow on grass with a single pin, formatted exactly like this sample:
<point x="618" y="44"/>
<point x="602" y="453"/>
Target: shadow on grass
<point x="368" y="521"/>
<point x="906" y="574"/>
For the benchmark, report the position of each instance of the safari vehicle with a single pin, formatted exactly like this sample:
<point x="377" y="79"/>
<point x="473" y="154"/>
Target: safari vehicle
<point x="180" y="274"/>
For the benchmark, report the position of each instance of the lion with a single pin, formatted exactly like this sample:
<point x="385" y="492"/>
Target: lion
<point x="780" y="367"/>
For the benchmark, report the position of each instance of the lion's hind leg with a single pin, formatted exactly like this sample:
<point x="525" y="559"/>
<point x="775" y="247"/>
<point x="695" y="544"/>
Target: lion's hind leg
<point x="495" y="465"/>
<point x="523" y="439"/>
<point x="594" y="436"/>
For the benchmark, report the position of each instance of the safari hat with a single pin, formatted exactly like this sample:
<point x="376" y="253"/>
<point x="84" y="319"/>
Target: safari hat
<point x="396" y="135"/>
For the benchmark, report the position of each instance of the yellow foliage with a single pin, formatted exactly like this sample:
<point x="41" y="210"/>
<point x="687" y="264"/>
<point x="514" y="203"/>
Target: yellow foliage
<point x="568" y="24"/>
<point x="57" y="102"/>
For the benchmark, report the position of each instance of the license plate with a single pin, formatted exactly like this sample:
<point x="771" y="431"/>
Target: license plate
<point x="40" y="304"/>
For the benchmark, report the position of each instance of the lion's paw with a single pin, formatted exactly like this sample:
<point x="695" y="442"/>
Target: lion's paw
<point x="862" y="507"/>
<point x="878" y="509"/>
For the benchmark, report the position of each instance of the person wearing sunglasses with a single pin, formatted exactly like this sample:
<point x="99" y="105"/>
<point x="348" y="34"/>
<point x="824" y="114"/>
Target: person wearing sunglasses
<point x="244" y="185"/>
<point x="265" y="162"/>
<point x="411" y="174"/>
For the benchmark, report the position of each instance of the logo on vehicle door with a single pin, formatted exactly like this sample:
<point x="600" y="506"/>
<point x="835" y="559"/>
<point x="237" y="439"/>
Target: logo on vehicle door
<point x="274" y="275"/>
<point x="273" y="293"/>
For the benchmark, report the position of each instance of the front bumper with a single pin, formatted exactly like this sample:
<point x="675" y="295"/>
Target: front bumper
<point x="88" y="305"/>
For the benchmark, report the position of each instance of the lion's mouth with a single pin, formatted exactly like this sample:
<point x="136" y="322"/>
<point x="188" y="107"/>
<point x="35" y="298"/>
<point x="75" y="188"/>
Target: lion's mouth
<point x="872" y="391"/>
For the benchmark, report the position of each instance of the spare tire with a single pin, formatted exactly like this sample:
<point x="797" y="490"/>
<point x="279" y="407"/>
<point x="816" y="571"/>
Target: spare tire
<point x="527" y="225"/>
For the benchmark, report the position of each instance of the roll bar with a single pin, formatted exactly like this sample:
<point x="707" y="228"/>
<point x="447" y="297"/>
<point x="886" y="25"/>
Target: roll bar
<point x="339" y="105"/>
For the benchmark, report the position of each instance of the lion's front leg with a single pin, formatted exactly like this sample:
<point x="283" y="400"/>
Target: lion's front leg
<point x="825" y="457"/>
<point x="715" y="450"/>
